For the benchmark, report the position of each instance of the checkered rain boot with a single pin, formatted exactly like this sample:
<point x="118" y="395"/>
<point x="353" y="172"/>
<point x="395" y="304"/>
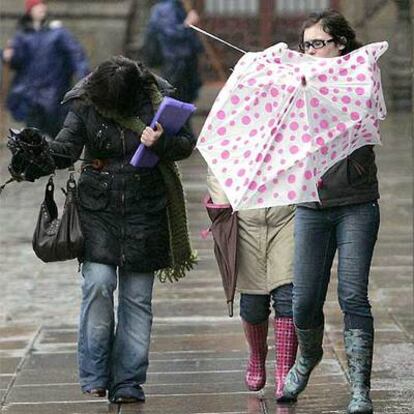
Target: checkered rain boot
<point x="286" y="345"/>
<point x="256" y="336"/>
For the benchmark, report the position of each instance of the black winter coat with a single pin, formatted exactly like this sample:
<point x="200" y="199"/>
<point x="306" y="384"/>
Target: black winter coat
<point x="122" y="208"/>
<point x="349" y="181"/>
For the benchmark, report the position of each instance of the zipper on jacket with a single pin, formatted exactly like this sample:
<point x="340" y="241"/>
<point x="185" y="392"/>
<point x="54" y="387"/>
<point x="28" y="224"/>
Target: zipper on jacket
<point x="123" y="146"/>
<point x="122" y="224"/>
<point x="123" y="198"/>
<point x="123" y="189"/>
<point x="122" y="259"/>
<point x="122" y="244"/>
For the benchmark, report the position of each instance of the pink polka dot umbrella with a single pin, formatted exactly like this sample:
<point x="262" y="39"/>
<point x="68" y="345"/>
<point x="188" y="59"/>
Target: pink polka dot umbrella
<point x="284" y="118"/>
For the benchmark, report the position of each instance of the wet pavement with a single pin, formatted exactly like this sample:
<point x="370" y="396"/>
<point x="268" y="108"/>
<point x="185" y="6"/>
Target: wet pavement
<point x="198" y="354"/>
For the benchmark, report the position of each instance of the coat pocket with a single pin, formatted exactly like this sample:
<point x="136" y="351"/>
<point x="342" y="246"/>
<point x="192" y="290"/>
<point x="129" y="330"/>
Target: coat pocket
<point x="94" y="190"/>
<point x="361" y="169"/>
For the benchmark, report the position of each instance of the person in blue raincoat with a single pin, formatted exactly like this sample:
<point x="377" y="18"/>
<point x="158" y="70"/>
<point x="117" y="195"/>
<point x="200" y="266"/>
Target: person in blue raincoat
<point x="180" y="46"/>
<point x="45" y="57"/>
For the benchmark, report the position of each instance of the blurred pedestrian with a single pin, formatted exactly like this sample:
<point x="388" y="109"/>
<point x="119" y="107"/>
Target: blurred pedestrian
<point x="179" y="46"/>
<point x="265" y="251"/>
<point x="44" y="56"/>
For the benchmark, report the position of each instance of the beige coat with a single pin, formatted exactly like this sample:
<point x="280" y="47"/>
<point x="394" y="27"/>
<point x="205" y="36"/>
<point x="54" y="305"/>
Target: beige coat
<point x="265" y="244"/>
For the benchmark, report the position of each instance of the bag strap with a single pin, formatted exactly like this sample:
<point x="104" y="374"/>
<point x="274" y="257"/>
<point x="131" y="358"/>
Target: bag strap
<point x="71" y="187"/>
<point x="50" y="188"/>
<point x="49" y="200"/>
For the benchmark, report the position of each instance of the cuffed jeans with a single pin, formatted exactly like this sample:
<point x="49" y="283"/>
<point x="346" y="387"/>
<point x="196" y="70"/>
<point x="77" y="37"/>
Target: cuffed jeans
<point x="255" y="309"/>
<point x="352" y="230"/>
<point x="111" y="359"/>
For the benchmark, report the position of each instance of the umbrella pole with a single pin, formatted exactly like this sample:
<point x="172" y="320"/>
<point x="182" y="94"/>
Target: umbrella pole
<point x="217" y="38"/>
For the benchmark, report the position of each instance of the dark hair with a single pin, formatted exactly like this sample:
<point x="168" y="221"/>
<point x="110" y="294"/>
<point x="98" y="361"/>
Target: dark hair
<point x="26" y="22"/>
<point x="119" y="84"/>
<point x="335" y="24"/>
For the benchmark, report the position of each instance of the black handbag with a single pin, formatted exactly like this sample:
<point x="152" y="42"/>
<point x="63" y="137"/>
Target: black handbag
<point x="57" y="239"/>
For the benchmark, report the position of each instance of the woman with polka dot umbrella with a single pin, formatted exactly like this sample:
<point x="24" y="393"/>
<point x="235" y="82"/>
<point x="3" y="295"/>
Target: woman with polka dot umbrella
<point x="299" y="128"/>
<point x="284" y="118"/>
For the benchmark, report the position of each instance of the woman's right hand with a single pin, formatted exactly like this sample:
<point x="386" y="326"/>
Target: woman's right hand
<point x="192" y="18"/>
<point x="150" y="136"/>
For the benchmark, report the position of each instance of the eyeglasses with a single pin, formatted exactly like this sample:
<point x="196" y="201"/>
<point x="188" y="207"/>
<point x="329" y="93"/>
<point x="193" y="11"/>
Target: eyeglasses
<point x="315" y="43"/>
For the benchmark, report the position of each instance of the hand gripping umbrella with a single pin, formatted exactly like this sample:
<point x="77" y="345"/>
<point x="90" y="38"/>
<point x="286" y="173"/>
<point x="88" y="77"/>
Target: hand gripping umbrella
<point x="284" y="118"/>
<point x="31" y="156"/>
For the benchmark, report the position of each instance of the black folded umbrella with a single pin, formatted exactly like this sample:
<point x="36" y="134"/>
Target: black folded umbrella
<point x="31" y="156"/>
<point x="224" y="230"/>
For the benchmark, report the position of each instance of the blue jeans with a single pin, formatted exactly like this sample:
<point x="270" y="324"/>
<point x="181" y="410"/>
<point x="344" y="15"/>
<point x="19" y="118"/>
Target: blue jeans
<point x="352" y="230"/>
<point x="107" y="358"/>
<point x="255" y="308"/>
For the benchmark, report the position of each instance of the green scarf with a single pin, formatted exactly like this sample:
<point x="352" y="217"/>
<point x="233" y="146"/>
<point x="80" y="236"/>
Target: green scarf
<point x="182" y="255"/>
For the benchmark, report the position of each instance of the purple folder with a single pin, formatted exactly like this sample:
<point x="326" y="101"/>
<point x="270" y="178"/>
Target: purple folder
<point x="172" y="115"/>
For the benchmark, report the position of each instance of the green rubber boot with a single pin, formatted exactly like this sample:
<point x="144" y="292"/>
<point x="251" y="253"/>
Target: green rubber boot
<point x="359" y="349"/>
<point x="310" y="346"/>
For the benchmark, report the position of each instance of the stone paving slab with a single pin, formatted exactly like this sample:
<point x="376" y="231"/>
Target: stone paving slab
<point x="9" y="364"/>
<point x="214" y="403"/>
<point x="41" y="366"/>
<point x="94" y="407"/>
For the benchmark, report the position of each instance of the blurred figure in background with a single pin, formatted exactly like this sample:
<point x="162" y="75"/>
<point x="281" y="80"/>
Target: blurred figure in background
<point x="44" y="56"/>
<point x="179" y="46"/>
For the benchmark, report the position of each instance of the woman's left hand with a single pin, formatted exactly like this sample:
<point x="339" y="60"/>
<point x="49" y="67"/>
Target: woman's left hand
<point x="150" y="136"/>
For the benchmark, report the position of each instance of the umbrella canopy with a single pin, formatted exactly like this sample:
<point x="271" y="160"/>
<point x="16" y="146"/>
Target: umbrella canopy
<point x="224" y="230"/>
<point x="284" y="118"/>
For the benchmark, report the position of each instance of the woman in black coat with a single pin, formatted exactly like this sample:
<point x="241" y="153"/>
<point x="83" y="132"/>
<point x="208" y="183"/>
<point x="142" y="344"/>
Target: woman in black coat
<point x="124" y="219"/>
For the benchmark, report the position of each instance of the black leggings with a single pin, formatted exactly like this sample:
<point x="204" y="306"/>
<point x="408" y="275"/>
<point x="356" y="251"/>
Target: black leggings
<point x="255" y="309"/>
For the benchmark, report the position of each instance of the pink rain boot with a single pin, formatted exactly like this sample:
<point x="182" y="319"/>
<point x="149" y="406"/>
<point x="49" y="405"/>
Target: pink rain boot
<point x="286" y="345"/>
<point x="256" y="336"/>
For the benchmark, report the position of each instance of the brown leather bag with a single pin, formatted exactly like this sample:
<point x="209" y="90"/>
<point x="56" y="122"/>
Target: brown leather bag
<point x="57" y="239"/>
